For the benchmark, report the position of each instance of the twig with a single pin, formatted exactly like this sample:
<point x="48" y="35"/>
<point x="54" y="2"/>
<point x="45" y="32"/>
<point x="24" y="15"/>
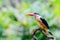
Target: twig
<point x="44" y="33"/>
<point x="34" y="36"/>
<point x="50" y="37"/>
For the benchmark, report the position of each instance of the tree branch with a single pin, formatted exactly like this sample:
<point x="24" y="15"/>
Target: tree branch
<point x="44" y="33"/>
<point x="34" y="36"/>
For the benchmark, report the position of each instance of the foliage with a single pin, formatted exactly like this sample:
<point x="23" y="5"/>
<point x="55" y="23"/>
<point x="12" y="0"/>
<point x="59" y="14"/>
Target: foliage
<point x="16" y="25"/>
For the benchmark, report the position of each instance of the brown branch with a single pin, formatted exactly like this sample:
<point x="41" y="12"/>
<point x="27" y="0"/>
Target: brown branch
<point x="34" y="36"/>
<point x="50" y="37"/>
<point x="44" y="33"/>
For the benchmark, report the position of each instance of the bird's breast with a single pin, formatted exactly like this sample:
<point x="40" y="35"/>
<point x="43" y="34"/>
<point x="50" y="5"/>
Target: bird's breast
<point x="42" y="26"/>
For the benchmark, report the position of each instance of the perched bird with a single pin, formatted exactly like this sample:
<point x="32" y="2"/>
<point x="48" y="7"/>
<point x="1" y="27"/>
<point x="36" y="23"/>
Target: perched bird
<point x="42" y="22"/>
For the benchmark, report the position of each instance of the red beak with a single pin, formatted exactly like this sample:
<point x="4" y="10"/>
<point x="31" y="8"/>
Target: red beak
<point x="30" y="14"/>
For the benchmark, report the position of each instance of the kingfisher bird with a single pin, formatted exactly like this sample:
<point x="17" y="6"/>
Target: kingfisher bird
<point x="42" y="22"/>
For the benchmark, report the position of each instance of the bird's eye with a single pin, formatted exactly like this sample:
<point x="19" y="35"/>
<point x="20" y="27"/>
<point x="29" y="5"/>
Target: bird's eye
<point x="36" y="13"/>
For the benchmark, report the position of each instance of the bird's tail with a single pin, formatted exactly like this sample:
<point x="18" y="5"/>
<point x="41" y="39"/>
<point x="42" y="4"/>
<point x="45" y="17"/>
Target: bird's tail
<point x="50" y="33"/>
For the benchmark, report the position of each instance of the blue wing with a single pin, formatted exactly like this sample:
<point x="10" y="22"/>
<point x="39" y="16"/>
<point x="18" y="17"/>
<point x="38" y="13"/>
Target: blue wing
<point x="45" y="22"/>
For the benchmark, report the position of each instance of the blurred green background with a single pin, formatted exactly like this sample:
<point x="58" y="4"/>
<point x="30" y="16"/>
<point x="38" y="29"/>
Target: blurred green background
<point x="16" y="25"/>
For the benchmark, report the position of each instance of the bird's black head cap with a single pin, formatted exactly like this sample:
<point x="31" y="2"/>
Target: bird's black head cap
<point x="36" y="13"/>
